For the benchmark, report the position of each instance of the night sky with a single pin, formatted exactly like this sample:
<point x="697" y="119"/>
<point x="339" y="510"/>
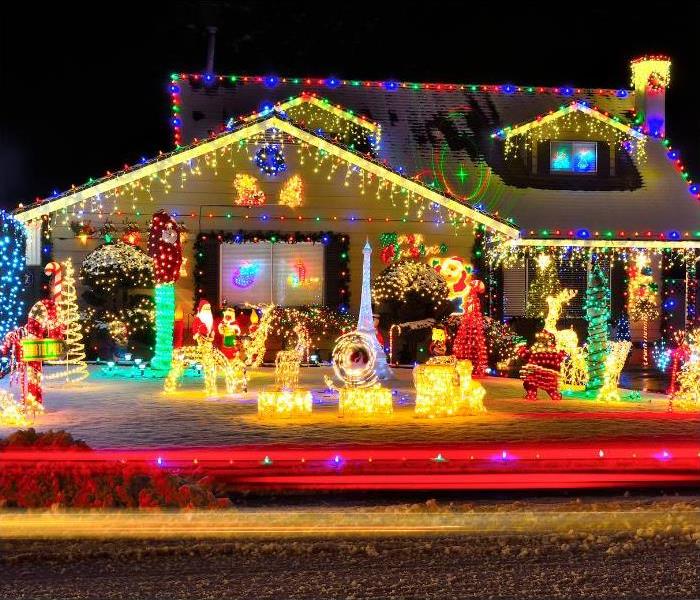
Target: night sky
<point x="84" y="89"/>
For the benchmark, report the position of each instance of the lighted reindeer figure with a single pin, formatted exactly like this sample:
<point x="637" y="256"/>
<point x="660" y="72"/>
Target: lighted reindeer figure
<point x="215" y="363"/>
<point x="574" y="372"/>
<point x="288" y="362"/>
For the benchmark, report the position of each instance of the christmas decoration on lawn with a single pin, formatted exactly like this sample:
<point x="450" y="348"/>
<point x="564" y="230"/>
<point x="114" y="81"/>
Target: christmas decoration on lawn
<point x="687" y="394"/>
<point x="213" y="362"/>
<point x="247" y="191"/>
<point x="444" y="388"/>
<point x="228" y="331"/>
<point x="678" y="356"/>
<point x="542" y="368"/>
<point x="365" y="321"/>
<point x="131" y="234"/>
<point x="205" y="354"/>
<point x="39" y="340"/>
<point x="395" y="247"/>
<point x="502" y="344"/>
<point x="642" y="299"/>
<point x="457" y="273"/>
<point x="545" y="284"/>
<point x="614" y="363"/>
<point x="287" y="399"/>
<point x="597" y="307"/>
<point x="438" y="341"/>
<point x="574" y="371"/>
<point x="166" y="251"/>
<point x="291" y="194"/>
<point x="270" y="160"/>
<point x="69" y="314"/>
<point x="470" y="342"/>
<point x="116" y="265"/>
<point x="13" y="238"/>
<point x="354" y="360"/>
<point x="409" y="291"/>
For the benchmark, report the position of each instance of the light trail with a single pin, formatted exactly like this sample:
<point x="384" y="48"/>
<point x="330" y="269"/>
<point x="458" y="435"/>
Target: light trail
<point x="345" y="523"/>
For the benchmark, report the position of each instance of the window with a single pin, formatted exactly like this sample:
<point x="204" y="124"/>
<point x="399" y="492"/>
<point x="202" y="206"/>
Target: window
<point x="573" y="157"/>
<point x="284" y="274"/>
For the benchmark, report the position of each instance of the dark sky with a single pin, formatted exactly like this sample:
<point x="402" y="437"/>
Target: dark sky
<point x="83" y="87"/>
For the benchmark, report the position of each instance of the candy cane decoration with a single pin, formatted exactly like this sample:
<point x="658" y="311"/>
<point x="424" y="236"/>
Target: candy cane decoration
<point x="54" y="269"/>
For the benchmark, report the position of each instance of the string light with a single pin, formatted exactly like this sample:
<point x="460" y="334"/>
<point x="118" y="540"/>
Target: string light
<point x="544" y="285"/>
<point x="291" y="194"/>
<point x="117" y="264"/>
<point x="165" y="249"/>
<point x="248" y="192"/>
<point x="444" y="388"/>
<point x="13" y="239"/>
<point x="597" y="307"/>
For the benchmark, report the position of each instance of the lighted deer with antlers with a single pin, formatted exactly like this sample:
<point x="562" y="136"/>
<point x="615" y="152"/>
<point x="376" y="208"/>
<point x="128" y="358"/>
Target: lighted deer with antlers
<point x="574" y="372"/>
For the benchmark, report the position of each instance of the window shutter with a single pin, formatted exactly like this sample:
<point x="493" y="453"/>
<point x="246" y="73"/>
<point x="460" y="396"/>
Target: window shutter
<point x="515" y="282"/>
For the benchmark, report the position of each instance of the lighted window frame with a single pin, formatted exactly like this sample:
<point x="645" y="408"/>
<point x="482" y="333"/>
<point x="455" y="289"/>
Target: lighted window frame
<point x="572" y="147"/>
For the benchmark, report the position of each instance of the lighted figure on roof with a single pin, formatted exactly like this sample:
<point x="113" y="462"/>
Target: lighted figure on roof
<point x="247" y="191"/>
<point x="166" y="251"/>
<point x="270" y="160"/>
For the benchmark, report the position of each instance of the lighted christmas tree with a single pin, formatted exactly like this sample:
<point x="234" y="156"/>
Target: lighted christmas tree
<point x="642" y="299"/>
<point x="546" y="283"/>
<point x="470" y="341"/>
<point x="76" y="367"/>
<point x="597" y="307"/>
<point x="12" y="262"/>
<point x="165" y="249"/>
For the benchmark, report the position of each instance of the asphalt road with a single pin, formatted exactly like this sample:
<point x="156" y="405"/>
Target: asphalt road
<point x="513" y="567"/>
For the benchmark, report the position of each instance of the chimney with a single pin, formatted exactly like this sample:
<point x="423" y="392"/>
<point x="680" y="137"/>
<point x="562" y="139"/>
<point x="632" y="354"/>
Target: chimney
<point x="211" y="47"/>
<point x="651" y="75"/>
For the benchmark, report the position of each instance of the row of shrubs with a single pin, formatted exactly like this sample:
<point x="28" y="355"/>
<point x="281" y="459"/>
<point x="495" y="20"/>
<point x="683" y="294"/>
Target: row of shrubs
<point x="69" y="484"/>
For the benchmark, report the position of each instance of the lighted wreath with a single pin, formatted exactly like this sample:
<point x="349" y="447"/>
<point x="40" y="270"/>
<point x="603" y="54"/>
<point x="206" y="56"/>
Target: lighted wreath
<point x="270" y="160"/>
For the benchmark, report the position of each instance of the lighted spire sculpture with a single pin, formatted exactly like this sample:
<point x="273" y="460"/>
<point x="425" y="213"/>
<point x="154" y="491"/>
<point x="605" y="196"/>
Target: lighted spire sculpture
<point x="365" y="322"/>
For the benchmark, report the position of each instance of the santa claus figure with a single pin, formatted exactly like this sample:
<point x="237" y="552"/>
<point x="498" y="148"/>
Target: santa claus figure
<point x="229" y="331"/>
<point x="203" y="324"/>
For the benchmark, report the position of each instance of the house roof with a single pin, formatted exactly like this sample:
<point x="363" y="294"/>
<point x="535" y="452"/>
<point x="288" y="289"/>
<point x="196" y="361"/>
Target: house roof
<point x="443" y="135"/>
<point x="251" y="126"/>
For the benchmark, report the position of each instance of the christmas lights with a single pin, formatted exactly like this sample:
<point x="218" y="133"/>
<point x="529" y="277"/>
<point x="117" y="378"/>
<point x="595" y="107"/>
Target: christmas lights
<point x="597" y="307"/>
<point x="444" y="388"/>
<point x="470" y="343"/>
<point x="12" y="265"/>
<point x="642" y="299"/>
<point x="165" y="249"/>
<point x="542" y="368"/>
<point x="74" y="359"/>
<point x="270" y="160"/>
<point x="286" y="399"/>
<point x="576" y="117"/>
<point x="116" y="265"/>
<point x="545" y="284"/>
<point x="291" y="194"/>
<point x="687" y="394"/>
<point x="614" y="362"/>
<point x="354" y="359"/>
<point x="247" y="191"/>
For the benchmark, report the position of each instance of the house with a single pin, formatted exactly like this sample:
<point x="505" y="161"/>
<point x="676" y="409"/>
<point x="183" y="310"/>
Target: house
<point x="498" y="173"/>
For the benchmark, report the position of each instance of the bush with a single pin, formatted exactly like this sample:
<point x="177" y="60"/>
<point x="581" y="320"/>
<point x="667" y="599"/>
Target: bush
<point x="101" y="485"/>
<point x="29" y="438"/>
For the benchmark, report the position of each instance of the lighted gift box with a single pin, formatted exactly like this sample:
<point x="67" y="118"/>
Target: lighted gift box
<point x="284" y="403"/>
<point x="445" y="388"/>
<point x="372" y="401"/>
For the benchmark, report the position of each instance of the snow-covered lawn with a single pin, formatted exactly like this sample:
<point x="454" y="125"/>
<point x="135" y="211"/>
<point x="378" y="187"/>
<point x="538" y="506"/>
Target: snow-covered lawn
<point x="119" y="412"/>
